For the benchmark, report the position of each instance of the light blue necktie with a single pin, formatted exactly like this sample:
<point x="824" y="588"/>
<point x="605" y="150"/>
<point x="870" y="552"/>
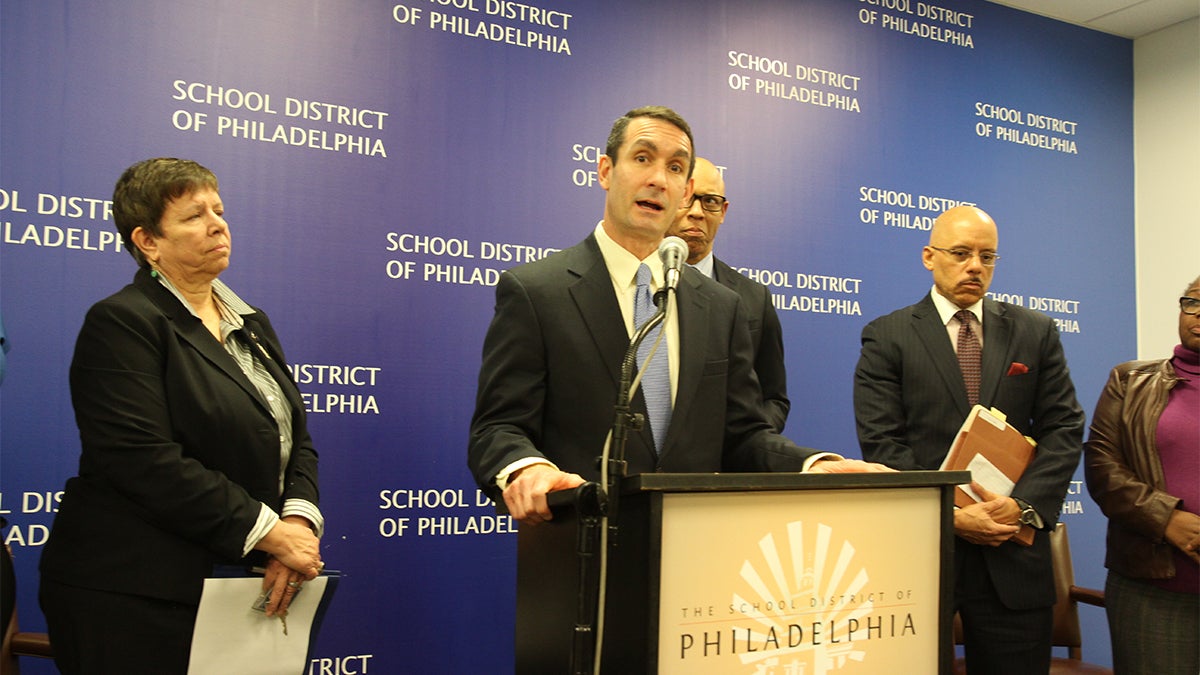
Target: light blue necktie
<point x="656" y="383"/>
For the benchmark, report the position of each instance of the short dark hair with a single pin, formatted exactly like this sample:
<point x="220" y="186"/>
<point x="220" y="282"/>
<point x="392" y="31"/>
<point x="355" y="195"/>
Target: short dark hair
<point x="142" y="193"/>
<point x="616" y="137"/>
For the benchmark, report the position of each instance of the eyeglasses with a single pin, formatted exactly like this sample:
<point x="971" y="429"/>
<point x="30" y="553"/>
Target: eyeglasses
<point x="1189" y="305"/>
<point x="962" y="255"/>
<point x="710" y="203"/>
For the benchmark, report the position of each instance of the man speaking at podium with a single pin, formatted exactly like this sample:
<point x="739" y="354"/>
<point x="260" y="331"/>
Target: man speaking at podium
<point x="921" y="370"/>
<point x="551" y="366"/>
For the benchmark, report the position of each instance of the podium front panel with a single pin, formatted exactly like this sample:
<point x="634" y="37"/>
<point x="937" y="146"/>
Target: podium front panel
<point x="806" y="581"/>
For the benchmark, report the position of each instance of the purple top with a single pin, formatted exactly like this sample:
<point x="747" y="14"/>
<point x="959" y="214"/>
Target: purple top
<point x="1178" y="441"/>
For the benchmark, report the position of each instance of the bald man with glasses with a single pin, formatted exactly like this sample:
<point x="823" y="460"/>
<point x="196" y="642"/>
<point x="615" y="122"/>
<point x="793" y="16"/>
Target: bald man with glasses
<point x="920" y="371"/>
<point x="697" y="222"/>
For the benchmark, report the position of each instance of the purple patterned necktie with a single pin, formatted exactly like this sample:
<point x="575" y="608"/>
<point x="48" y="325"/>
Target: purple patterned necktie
<point x="969" y="355"/>
<point x="656" y="383"/>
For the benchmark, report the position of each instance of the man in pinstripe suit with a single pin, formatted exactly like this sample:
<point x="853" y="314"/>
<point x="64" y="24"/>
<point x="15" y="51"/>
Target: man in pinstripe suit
<point x="910" y="398"/>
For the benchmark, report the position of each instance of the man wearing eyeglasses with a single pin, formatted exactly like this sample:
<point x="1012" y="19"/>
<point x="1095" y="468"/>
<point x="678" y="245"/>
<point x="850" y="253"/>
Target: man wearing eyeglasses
<point x="697" y="223"/>
<point x="920" y="371"/>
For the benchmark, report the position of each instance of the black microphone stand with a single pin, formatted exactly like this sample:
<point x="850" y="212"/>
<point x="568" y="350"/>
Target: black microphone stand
<point x="583" y="649"/>
<point x="589" y="504"/>
<point x="625" y="419"/>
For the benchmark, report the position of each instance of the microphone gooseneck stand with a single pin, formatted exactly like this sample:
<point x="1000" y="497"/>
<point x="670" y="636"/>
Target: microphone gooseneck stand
<point x="589" y="645"/>
<point x="624" y="419"/>
<point x="589" y="502"/>
<point x="601" y="520"/>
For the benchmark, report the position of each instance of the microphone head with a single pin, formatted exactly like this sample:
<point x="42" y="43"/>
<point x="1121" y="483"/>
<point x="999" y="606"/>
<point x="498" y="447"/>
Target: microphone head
<point x="673" y="251"/>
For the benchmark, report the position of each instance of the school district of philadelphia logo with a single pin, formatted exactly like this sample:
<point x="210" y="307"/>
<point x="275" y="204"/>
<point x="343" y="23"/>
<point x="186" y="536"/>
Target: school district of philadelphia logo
<point x="804" y="606"/>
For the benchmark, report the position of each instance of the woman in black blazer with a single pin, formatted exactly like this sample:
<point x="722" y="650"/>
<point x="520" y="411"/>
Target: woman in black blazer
<point x="195" y="451"/>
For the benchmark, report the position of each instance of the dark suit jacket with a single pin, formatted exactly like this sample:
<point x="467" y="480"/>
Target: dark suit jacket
<point x="179" y="448"/>
<point x="551" y="371"/>
<point x="766" y="337"/>
<point x="910" y="400"/>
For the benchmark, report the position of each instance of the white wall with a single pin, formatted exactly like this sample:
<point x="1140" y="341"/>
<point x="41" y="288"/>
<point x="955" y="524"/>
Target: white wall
<point x="1166" y="151"/>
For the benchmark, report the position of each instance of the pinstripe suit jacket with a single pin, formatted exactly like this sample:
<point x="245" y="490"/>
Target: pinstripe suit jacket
<point x="910" y="400"/>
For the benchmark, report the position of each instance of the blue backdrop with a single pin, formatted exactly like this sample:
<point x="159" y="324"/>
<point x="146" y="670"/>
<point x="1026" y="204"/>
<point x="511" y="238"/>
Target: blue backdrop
<point x="380" y="163"/>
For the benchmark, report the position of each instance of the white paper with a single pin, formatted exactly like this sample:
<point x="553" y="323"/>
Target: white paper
<point x="986" y="474"/>
<point x="230" y="637"/>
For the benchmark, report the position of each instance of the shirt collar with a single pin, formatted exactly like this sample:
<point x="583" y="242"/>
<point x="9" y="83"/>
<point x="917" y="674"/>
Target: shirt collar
<point x="232" y="307"/>
<point x="705" y="265"/>
<point x="947" y="310"/>
<point x="623" y="265"/>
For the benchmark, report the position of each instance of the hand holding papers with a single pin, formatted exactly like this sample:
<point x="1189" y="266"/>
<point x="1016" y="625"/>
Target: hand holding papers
<point x="995" y="453"/>
<point x="232" y="637"/>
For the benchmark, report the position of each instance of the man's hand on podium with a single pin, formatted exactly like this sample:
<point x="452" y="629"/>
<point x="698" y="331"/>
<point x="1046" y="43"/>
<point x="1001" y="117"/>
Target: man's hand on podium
<point x="525" y="494"/>
<point x="990" y="522"/>
<point x="847" y="466"/>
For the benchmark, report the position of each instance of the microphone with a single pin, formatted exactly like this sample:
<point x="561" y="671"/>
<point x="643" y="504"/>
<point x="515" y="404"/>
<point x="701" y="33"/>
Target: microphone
<point x="673" y="252"/>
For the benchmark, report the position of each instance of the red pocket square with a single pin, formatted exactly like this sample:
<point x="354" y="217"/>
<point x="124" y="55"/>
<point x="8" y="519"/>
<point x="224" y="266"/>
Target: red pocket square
<point x="1018" y="368"/>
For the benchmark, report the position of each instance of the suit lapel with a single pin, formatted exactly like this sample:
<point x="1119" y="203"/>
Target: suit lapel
<point x="591" y="289"/>
<point x="274" y="363"/>
<point x="997" y="349"/>
<point x="193" y="332"/>
<point x="927" y="324"/>
<point x="723" y="274"/>
<point x="693" y="307"/>
<point x="592" y="292"/>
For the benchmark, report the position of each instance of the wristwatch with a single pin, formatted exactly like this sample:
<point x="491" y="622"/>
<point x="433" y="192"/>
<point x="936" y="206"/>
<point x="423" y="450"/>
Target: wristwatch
<point x="1028" y="515"/>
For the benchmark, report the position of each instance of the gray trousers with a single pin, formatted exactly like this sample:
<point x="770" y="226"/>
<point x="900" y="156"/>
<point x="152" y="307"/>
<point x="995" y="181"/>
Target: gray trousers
<point x="1154" y="632"/>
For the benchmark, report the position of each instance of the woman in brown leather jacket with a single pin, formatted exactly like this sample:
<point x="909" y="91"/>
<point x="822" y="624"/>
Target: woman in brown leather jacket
<point x="1142" y="464"/>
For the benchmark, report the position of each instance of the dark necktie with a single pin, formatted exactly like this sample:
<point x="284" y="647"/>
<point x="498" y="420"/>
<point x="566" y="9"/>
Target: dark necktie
<point x="656" y="383"/>
<point x="969" y="355"/>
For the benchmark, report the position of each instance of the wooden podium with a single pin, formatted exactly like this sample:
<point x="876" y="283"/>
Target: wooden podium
<point x="748" y="573"/>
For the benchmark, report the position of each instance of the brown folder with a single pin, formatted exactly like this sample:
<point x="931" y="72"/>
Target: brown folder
<point x="986" y="433"/>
